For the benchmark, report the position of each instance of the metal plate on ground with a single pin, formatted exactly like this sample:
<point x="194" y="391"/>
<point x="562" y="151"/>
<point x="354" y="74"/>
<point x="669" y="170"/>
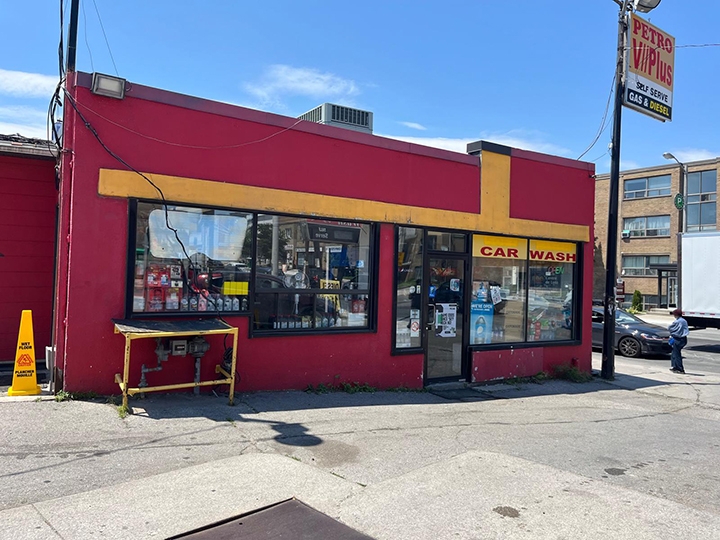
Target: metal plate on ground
<point x="289" y="519"/>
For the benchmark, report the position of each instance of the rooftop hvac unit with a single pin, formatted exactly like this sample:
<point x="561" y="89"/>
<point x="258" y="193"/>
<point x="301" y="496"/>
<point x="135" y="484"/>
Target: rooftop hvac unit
<point x="339" y="116"/>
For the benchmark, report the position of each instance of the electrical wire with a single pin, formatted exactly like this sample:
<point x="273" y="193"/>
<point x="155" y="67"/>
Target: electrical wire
<point x="190" y="146"/>
<point x="115" y="156"/>
<point x="92" y="66"/>
<point x="603" y="123"/>
<point x="61" y="46"/>
<point x="105" y="36"/>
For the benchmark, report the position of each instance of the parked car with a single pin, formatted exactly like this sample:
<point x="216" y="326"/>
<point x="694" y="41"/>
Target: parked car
<point x="633" y="336"/>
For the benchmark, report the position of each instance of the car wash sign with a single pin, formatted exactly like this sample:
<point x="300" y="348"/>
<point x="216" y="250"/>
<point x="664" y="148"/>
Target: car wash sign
<point x="649" y="69"/>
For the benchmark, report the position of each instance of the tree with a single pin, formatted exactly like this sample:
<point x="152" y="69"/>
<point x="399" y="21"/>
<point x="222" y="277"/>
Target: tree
<point x="637" y="301"/>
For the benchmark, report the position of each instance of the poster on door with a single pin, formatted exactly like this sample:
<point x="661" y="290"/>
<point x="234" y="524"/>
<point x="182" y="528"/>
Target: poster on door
<point x="446" y="320"/>
<point x="481" y="322"/>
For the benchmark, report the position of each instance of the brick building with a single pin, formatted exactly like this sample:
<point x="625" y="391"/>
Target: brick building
<point x="648" y="226"/>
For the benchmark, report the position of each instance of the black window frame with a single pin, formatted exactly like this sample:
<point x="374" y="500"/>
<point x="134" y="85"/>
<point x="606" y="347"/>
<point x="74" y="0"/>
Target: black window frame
<point x="371" y="293"/>
<point x="578" y="288"/>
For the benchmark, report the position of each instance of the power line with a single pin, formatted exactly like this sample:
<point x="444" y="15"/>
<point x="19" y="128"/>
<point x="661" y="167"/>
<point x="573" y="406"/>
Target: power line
<point x="603" y="123"/>
<point x="106" y="39"/>
<point x="190" y="146"/>
<point x="92" y="66"/>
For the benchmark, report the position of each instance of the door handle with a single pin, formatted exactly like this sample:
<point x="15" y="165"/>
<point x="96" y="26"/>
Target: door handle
<point x="431" y="317"/>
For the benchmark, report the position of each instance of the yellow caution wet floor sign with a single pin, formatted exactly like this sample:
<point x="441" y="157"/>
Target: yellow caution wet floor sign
<point x="25" y="373"/>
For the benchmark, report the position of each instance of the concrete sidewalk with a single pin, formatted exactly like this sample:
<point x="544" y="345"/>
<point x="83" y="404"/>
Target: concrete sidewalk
<point x="633" y="458"/>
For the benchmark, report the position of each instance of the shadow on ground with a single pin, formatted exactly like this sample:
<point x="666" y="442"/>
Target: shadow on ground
<point x="248" y="405"/>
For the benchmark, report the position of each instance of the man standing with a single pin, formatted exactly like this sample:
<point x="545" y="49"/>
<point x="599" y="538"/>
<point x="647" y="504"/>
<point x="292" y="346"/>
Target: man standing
<point x="678" y="336"/>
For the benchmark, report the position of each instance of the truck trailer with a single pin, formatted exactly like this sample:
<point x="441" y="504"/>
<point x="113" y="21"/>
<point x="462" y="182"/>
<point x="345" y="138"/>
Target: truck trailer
<point x="700" y="279"/>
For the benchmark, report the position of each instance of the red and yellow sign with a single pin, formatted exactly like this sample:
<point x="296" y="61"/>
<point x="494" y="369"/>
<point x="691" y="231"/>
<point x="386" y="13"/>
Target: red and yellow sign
<point x="25" y="373"/>
<point x="499" y="247"/>
<point x="544" y="250"/>
<point x="649" y="69"/>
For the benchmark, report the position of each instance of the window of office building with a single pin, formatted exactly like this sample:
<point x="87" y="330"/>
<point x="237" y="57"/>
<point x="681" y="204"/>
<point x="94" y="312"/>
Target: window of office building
<point x="701" y="210"/>
<point x="647" y="226"/>
<point x="641" y="188"/>
<point x="639" y="265"/>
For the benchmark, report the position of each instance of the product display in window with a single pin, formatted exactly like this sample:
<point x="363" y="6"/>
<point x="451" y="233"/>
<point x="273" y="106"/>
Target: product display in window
<point x="550" y="293"/>
<point x="200" y="263"/>
<point x="497" y="303"/>
<point x="311" y="274"/>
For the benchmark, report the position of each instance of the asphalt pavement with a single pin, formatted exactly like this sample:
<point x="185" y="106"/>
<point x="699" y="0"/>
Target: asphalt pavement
<point x="637" y="457"/>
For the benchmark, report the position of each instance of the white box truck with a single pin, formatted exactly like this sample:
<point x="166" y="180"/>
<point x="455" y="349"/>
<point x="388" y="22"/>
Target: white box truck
<point x="700" y="279"/>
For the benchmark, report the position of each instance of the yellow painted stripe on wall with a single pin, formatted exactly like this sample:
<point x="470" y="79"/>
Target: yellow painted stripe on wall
<point x="495" y="187"/>
<point x="124" y="184"/>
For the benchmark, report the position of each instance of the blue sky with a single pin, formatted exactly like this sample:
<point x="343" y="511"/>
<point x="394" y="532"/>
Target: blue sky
<point x="534" y="74"/>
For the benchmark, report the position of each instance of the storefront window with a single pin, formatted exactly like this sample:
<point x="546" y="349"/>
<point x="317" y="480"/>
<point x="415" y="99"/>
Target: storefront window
<point x="201" y="262"/>
<point x="497" y="309"/>
<point x="550" y="294"/>
<point x="409" y="287"/>
<point x="298" y="261"/>
<point x="446" y="241"/>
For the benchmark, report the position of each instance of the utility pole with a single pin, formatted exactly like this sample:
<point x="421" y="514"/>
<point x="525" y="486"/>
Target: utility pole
<point x="607" y="370"/>
<point x="72" y="35"/>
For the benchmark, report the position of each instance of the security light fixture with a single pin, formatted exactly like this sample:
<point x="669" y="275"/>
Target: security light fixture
<point x="107" y="85"/>
<point x="646" y="6"/>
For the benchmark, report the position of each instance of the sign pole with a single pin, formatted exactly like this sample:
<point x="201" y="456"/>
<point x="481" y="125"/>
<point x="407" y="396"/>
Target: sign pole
<point x="608" y="350"/>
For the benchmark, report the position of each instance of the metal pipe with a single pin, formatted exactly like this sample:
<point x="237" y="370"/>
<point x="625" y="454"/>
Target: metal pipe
<point x="681" y="231"/>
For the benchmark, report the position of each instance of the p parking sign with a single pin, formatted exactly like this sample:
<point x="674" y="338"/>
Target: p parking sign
<point x="679" y="201"/>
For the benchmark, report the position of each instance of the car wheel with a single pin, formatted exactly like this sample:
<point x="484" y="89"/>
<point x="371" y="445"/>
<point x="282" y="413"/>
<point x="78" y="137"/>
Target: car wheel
<point x="629" y="347"/>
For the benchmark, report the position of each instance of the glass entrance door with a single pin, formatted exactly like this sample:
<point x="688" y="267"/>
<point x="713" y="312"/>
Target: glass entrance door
<point x="672" y="291"/>
<point x="445" y="318"/>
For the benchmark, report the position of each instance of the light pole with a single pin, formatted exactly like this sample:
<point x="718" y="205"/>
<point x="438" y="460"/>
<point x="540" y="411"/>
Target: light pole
<point x="680" y="205"/>
<point x="608" y="351"/>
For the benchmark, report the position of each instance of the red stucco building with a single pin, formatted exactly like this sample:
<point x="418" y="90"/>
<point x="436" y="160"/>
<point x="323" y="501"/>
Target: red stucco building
<point x="339" y="256"/>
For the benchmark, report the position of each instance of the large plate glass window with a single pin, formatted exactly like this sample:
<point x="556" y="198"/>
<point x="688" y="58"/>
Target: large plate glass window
<point x="191" y="259"/>
<point x="311" y="274"/>
<point x="499" y="282"/>
<point x="409" y="287"/>
<point x="550" y="292"/>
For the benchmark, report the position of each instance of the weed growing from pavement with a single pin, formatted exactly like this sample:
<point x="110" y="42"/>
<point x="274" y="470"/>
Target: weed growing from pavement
<point x="572" y="373"/>
<point x="122" y="411"/>
<point x="349" y="388"/>
<point x="406" y="389"/>
<point x="62" y="395"/>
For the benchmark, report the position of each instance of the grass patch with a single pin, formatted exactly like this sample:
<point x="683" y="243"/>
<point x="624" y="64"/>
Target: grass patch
<point x="572" y="373"/>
